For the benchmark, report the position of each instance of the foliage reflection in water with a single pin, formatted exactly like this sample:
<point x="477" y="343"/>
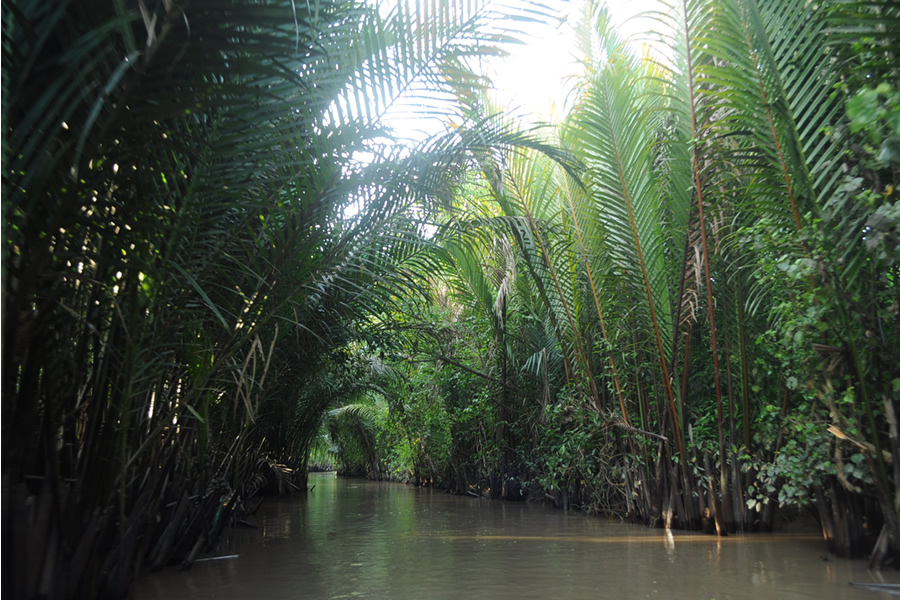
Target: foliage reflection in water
<point x="362" y="539"/>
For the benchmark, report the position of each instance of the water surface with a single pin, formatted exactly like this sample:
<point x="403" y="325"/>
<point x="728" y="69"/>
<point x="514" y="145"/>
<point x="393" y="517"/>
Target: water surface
<point x="352" y="538"/>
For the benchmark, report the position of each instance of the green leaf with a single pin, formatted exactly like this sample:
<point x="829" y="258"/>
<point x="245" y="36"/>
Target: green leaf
<point x="195" y="413"/>
<point x="890" y="150"/>
<point x="863" y="110"/>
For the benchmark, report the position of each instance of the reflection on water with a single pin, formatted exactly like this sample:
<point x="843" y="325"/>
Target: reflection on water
<point x="362" y="539"/>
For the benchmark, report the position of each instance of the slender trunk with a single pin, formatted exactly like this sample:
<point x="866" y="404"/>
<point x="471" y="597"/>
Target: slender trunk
<point x="681" y="509"/>
<point x="825" y="517"/>
<point x="729" y="387"/>
<point x="714" y="500"/>
<point x="739" y="504"/>
<point x="685" y="370"/>
<point x="698" y="190"/>
<point x="745" y="367"/>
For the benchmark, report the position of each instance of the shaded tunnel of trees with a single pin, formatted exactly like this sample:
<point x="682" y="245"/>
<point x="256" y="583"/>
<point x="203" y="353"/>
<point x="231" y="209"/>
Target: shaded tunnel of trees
<point x="679" y="305"/>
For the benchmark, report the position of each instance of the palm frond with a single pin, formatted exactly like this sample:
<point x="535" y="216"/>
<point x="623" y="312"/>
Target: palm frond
<point x="611" y="133"/>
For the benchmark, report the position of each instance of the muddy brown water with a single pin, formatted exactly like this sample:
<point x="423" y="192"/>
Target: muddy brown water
<point x="352" y="538"/>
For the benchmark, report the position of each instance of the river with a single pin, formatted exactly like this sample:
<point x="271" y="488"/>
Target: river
<point x="352" y="538"/>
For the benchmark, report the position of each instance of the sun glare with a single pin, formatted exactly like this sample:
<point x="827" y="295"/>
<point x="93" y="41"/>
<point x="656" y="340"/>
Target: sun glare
<point x="535" y="78"/>
<point x="534" y="81"/>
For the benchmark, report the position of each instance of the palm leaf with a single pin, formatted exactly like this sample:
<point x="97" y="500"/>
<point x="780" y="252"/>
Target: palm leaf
<point x="611" y="132"/>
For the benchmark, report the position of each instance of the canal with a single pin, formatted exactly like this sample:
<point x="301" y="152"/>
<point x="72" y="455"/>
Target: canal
<point x="352" y="538"/>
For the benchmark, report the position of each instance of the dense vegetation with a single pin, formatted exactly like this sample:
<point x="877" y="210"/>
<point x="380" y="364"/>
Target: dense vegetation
<point x="680" y="305"/>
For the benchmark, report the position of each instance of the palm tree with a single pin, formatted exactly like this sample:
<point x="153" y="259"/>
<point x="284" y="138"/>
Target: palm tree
<point x="740" y="134"/>
<point x="191" y="234"/>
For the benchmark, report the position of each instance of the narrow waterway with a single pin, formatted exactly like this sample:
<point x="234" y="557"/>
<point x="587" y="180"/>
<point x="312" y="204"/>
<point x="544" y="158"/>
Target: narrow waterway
<point x="362" y="539"/>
